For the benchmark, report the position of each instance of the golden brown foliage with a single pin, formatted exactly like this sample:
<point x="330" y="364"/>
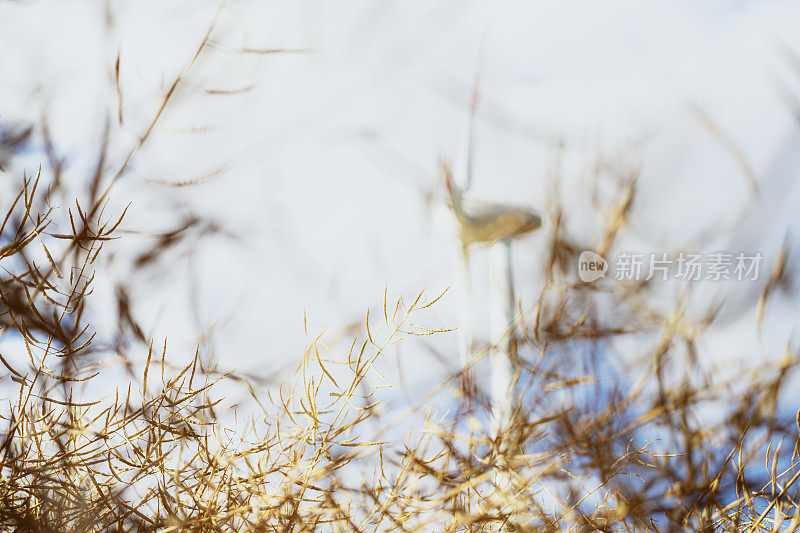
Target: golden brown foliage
<point x="660" y="444"/>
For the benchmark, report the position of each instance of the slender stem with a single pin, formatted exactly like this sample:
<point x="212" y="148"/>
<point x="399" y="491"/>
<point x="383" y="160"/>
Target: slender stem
<point x="501" y="336"/>
<point x="465" y="319"/>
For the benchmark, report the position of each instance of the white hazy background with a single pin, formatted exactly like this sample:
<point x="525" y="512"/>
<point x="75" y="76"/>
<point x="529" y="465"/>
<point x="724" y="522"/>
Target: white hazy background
<point x="329" y="158"/>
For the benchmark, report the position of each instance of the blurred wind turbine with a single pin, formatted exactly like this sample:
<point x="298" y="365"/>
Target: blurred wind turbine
<point x="495" y="225"/>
